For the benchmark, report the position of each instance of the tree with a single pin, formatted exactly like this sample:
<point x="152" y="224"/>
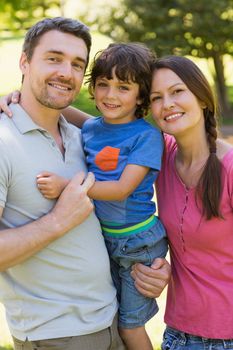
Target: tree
<point x="17" y="16"/>
<point x="199" y="28"/>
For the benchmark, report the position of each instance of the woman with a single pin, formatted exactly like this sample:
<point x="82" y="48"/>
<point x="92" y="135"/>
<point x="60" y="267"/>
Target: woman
<point x="195" y="200"/>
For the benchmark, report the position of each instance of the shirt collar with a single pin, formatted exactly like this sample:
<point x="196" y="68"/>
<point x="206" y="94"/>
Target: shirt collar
<point x="24" y="122"/>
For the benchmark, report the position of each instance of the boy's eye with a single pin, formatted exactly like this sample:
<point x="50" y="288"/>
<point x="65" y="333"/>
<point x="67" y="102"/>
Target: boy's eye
<point x="123" y="87"/>
<point x="101" y="84"/>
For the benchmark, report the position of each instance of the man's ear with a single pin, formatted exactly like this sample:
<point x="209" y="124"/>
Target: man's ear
<point x="23" y="63"/>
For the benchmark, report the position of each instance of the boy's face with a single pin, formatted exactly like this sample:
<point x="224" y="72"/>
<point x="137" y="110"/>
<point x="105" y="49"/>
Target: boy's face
<point x="116" y="100"/>
<point x="54" y="75"/>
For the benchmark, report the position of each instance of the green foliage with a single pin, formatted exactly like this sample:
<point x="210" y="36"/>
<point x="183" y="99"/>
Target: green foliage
<point x="85" y="103"/>
<point x="197" y="28"/>
<point x="185" y="26"/>
<point x="6" y="347"/>
<point x="17" y="16"/>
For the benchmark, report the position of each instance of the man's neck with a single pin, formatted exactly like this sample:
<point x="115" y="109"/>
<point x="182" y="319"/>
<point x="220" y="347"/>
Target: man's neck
<point x="47" y="118"/>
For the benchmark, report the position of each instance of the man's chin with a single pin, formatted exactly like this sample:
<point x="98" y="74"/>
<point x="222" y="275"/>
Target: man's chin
<point x="57" y="105"/>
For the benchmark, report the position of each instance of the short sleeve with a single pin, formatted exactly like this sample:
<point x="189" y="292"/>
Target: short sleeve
<point x="230" y="181"/>
<point x="148" y="149"/>
<point x="5" y="174"/>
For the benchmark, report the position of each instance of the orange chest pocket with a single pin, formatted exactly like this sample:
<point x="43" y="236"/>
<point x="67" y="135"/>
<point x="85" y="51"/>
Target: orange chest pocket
<point x="107" y="158"/>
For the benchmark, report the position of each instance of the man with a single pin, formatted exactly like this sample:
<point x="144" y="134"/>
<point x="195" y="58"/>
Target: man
<point x="55" y="281"/>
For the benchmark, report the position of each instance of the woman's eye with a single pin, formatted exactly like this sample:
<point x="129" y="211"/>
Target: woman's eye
<point x="177" y="91"/>
<point x="155" y="98"/>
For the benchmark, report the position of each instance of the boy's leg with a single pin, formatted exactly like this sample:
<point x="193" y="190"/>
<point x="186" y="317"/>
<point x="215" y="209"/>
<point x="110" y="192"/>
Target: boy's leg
<point x="136" y="338"/>
<point x="134" y="311"/>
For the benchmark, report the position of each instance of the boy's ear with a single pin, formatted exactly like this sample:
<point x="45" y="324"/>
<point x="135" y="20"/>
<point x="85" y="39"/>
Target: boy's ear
<point x="139" y="101"/>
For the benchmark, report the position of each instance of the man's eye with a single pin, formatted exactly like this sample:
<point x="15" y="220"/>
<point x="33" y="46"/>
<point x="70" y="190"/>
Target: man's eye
<point x="78" y="66"/>
<point x="53" y="59"/>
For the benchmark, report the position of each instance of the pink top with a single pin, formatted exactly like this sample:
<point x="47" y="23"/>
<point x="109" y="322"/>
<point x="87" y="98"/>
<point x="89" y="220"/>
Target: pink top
<point x="200" y="294"/>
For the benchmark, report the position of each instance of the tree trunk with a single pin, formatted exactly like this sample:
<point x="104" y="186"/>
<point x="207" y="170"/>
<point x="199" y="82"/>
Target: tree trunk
<point x="225" y="109"/>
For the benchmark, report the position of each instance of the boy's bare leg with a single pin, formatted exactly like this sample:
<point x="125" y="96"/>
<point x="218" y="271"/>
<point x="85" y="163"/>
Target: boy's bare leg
<point x="135" y="338"/>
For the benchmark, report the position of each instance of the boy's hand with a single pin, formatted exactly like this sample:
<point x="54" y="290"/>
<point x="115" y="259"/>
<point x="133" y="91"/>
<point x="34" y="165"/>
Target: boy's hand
<point x="13" y="97"/>
<point x="51" y="185"/>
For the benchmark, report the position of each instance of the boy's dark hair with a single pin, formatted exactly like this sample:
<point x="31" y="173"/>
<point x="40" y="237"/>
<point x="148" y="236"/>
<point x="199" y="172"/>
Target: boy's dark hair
<point x="209" y="186"/>
<point x="61" y="24"/>
<point x="132" y="62"/>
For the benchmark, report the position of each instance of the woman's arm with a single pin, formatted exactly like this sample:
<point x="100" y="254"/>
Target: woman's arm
<point x="75" y="116"/>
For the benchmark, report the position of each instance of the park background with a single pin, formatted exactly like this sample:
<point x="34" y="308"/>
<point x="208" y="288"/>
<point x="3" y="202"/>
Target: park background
<point x="202" y="30"/>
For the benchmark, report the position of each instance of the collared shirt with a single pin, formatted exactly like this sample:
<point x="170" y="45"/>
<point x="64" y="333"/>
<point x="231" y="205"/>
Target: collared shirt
<point x="66" y="288"/>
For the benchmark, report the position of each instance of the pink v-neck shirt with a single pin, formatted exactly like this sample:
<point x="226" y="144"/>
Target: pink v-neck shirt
<point x="200" y="294"/>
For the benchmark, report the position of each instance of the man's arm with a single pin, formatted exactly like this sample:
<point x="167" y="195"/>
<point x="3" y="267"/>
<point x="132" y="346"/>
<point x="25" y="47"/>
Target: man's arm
<point x="119" y="190"/>
<point x="151" y="280"/>
<point x="72" y="208"/>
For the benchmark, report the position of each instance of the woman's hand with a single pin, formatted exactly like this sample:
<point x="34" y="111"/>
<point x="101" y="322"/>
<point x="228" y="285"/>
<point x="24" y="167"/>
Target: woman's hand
<point x="13" y="97"/>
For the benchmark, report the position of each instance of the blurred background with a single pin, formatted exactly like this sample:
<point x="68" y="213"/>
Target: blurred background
<point x="200" y="29"/>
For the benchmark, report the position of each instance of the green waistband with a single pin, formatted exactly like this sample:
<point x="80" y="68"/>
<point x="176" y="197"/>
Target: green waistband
<point x="142" y="226"/>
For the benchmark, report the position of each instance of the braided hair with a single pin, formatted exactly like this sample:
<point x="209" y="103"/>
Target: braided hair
<point x="209" y="185"/>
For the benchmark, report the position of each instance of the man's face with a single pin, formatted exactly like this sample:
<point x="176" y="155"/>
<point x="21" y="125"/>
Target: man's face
<point x="55" y="72"/>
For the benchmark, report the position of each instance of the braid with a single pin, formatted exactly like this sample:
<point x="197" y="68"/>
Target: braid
<point x="209" y="185"/>
<point x="211" y="130"/>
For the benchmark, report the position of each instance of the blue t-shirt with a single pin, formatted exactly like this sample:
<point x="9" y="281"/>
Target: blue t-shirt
<point x="109" y="148"/>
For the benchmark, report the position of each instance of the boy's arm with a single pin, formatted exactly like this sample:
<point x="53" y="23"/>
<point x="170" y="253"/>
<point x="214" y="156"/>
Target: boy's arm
<point x="119" y="190"/>
<point x="51" y="185"/>
<point x="75" y="116"/>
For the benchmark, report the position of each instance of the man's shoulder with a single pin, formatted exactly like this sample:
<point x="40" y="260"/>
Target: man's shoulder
<point x="6" y="125"/>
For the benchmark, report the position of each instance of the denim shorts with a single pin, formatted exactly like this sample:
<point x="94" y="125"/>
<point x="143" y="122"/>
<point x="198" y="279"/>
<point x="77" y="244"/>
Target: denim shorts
<point x="134" y="309"/>
<point x="176" y="340"/>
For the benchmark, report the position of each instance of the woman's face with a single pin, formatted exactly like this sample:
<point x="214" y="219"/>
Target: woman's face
<point x="175" y="108"/>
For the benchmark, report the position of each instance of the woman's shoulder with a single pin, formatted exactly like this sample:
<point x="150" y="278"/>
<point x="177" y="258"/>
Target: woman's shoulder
<point x="170" y="142"/>
<point x="224" y="149"/>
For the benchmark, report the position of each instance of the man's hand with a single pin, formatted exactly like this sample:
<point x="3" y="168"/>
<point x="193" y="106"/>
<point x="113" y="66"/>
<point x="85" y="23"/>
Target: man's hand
<point x="150" y="281"/>
<point x="13" y="97"/>
<point x="73" y="205"/>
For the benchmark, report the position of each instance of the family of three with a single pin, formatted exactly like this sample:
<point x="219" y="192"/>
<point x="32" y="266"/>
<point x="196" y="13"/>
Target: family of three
<point x="56" y="280"/>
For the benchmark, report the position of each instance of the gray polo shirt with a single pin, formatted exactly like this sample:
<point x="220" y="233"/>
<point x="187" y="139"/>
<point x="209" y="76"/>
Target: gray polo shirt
<point x="65" y="289"/>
